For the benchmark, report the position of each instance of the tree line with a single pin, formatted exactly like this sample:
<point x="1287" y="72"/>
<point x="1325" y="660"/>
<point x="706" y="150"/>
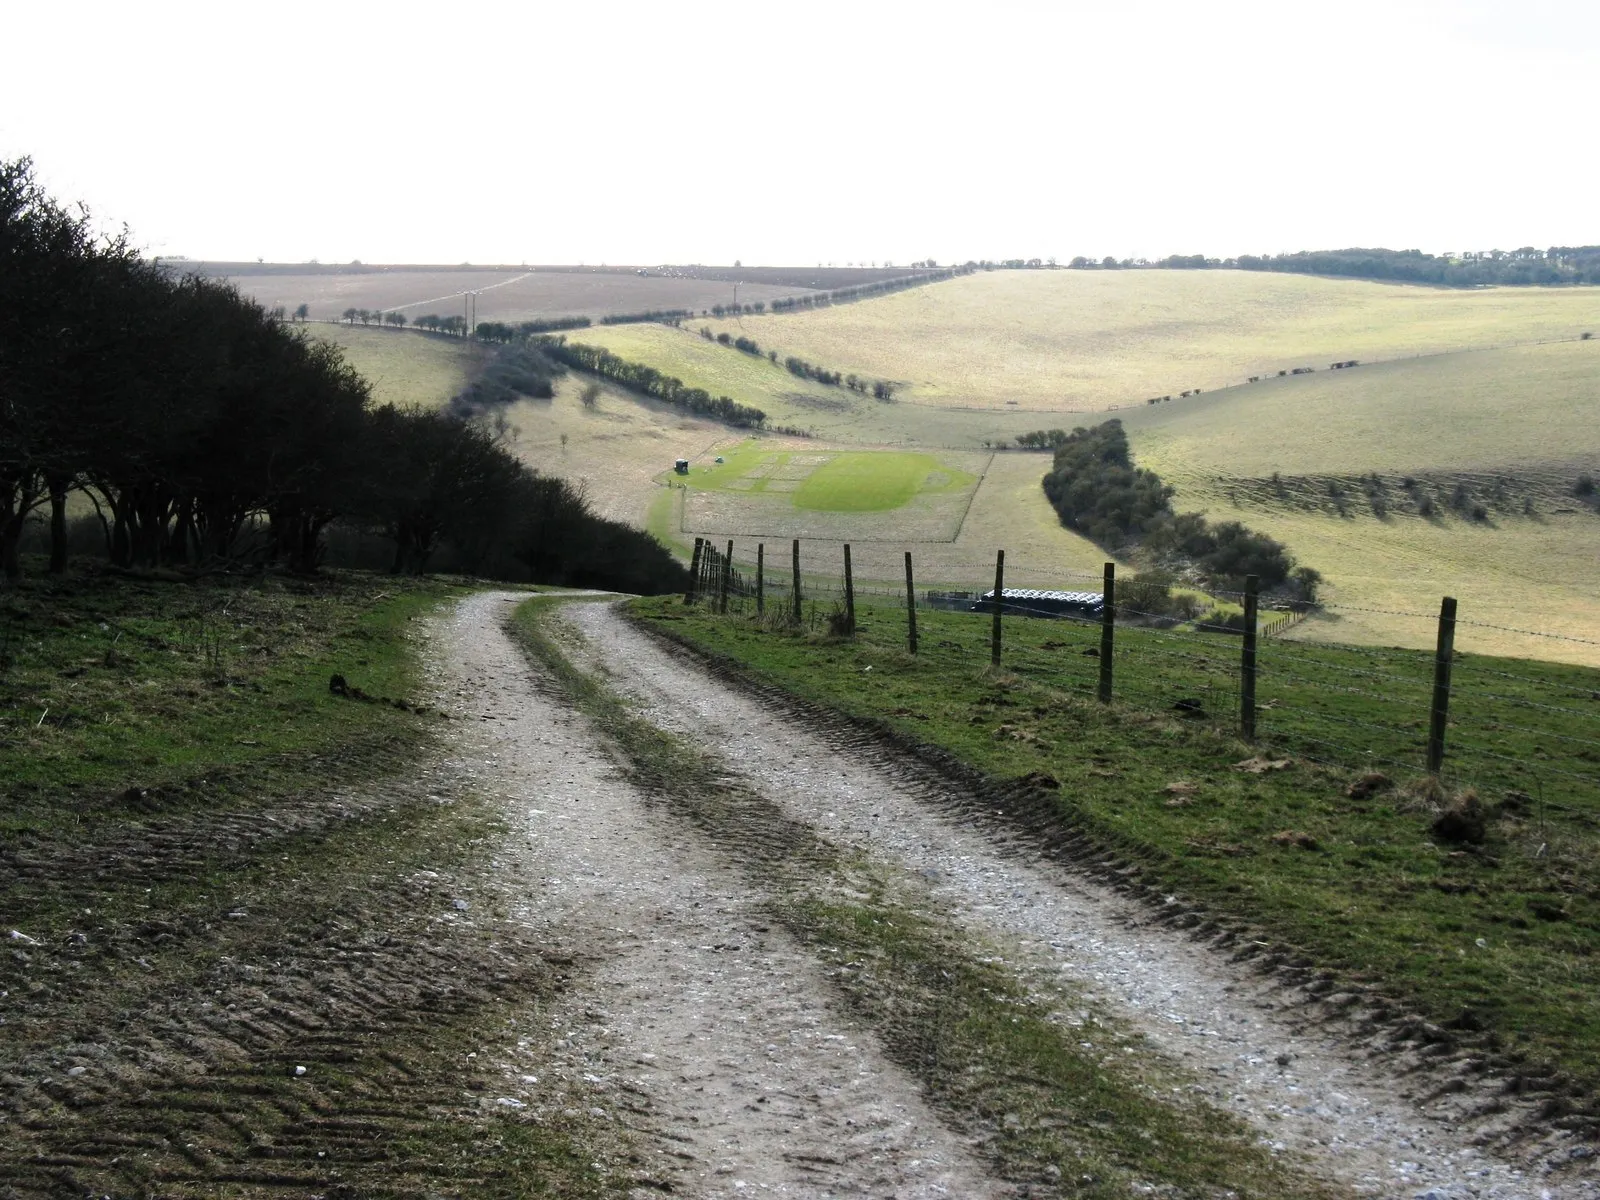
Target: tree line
<point x="367" y="316"/>
<point x="647" y="380"/>
<point x="665" y="316"/>
<point x="499" y="331"/>
<point x="862" y="291"/>
<point x="206" y="432"/>
<point x="881" y="389"/>
<point x="1097" y="491"/>
<point x="1527" y="266"/>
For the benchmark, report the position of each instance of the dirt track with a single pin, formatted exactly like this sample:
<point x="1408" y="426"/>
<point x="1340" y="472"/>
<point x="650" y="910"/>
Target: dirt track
<point x="597" y="968"/>
<point x="1236" y="1033"/>
<point x="720" y="1032"/>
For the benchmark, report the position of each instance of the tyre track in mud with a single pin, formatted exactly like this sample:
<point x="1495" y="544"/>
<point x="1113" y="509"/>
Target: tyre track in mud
<point x="216" y="995"/>
<point x="220" y="1046"/>
<point x="1389" y="1107"/>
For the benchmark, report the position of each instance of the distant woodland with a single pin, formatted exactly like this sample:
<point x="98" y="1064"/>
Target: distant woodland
<point x="1478" y="268"/>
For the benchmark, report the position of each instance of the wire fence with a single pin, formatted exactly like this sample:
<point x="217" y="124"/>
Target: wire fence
<point x="1521" y="728"/>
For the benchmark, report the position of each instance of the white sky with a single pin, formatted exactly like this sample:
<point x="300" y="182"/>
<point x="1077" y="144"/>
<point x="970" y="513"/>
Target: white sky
<point x="798" y="133"/>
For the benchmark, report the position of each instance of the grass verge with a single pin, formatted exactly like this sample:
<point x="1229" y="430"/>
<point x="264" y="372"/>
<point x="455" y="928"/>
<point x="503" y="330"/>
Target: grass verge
<point x="110" y="682"/>
<point x="1494" y="939"/>
<point x="1008" y="1066"/>
<point x="219" y="872"/>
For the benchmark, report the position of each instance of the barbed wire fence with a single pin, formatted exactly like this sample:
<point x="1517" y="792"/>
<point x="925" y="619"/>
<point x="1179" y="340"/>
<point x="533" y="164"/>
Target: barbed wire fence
<point x="1527" y="729"/>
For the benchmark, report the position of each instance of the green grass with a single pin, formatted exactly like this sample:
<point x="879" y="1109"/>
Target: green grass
<point x="1001" y="1061"/>
<point x="832" y="481"/>
<point x="878" y="482"/>
<point x="1498" y="940"/>
<point x="112" y="682"/>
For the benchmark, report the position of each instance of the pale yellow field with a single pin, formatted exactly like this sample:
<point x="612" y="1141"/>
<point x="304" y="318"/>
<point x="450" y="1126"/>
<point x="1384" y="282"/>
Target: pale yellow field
<point x="1530" y="406"/>
<point x="1092" y="340"/>
<point x="834" y="413"/>
<point x="1530" y="414"/>
<point x="1528" y="411"/>
<point x="405" y="368"/>
<point x="615" y="451"/>
<point x="1523" y="574"/>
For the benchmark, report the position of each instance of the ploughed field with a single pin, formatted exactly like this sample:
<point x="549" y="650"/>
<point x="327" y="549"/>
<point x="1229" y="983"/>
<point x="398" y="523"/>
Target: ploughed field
<point x="524" y="293"/>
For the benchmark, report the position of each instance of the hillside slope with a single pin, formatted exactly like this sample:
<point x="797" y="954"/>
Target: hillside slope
<point x="1401" y="482"/>
<point x="1091" y="340"/>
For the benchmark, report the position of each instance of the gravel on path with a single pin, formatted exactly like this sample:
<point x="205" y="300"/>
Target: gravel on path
<point x="1233" y="1030"/>
<point x="702" y="1026"/>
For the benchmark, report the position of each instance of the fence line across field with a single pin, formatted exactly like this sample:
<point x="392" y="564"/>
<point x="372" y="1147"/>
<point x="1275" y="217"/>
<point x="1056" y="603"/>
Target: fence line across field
<point x="820" y="592"/>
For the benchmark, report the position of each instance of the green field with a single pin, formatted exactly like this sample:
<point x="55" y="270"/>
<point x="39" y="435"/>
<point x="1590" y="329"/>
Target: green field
<point x="846" y="481"/>
<point x="798" y="490"/>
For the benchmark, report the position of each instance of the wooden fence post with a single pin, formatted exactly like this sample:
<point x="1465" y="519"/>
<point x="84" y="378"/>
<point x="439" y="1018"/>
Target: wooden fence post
<point x="761" y="581"/>
<point x="1247" y="661"/>
<point x="727" y="573"/>
<point x="1442" y="655"/>
<point x="1108" y="626"/>
<point x="911" y="608"/>
<point x="797" y="612"/>
<point x="999" y="604"/>
<point x="849" y="595"/>
<point x="693" y="592"/>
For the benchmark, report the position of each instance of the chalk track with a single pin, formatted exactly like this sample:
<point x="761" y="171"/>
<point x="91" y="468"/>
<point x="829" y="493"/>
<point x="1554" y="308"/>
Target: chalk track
<point x="1394" y="1114"/>
<point x="550" y="948"/>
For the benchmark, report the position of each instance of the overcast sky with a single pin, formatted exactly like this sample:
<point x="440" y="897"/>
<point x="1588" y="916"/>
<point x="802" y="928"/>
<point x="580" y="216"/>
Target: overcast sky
<point x="857" y="132"/>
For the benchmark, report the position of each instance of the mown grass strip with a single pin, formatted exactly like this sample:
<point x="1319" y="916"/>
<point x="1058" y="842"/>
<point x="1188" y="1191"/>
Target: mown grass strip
<point x="1496" y="940"/>
<point x="1002" y="1064"/>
